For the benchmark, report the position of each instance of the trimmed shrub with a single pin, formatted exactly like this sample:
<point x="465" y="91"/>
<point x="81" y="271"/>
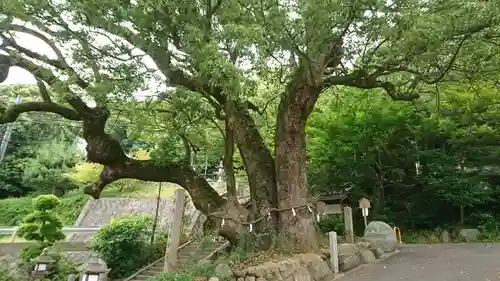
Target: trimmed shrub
<point x="124" y="244"/>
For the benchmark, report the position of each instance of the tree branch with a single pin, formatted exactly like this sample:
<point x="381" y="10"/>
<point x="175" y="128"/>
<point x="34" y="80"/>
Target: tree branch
<point x="39" y="72"/>
<point x="363" y="80"/>
<point x="86" y="48"/>
<point x="12" y="112"/>
<point x="204" y="197"/>
<point x="187" y="149"/>
<point x="39" y="35"/>
<point x="43" y="91"/>
<point x="46" y="75"/>
<point x="59" y="64"/>
<point x="450" y="62"/>
<point x="5" y="63"/>
<point x="103" y="149"/>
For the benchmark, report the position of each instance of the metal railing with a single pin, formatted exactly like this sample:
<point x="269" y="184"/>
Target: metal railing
<point x="69" y="229"/>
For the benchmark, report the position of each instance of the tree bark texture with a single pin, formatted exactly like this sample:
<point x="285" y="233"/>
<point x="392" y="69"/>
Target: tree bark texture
<point x="232" y="195"/>
<point x="259" y="165"/>
<point x="291" y="165"/>
<point x="257" y="157"/>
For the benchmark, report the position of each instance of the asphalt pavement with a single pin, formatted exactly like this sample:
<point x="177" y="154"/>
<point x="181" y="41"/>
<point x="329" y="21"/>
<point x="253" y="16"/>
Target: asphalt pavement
<point x="436" y="262"/>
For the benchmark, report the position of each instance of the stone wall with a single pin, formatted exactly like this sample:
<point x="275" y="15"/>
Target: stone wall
<point x="354" y="255"/>
<point x="310" y="266"/>
<point x="102" y="211"/>
<point x="99" y="212"/>
<point x="11" y="264"/>
<point x="15" y="248"/>
<point x="303" y="267"/>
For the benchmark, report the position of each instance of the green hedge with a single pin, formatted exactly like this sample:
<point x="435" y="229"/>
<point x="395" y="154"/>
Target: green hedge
<point x="13" y="210"/>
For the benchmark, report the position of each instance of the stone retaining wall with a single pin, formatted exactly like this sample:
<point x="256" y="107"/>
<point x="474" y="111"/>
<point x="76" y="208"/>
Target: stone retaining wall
<point x="102" y="211"/>
<point x="306" y="267"/>
<point x="15" y="248"/>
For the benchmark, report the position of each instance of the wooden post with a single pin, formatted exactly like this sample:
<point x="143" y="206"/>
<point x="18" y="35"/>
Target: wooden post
<point x="334" y="254"/>
<point x="349" y="229"/>
<point x="13" y="236"/>
<point x="174" y="234"/>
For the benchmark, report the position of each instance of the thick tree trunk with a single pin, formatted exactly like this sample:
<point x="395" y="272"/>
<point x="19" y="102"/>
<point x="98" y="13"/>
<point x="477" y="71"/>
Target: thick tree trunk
<point x="259" y="165"/>
<point x="228" y="163"/>
<point x="297" y="231"/>
<point x="257" y="158"/>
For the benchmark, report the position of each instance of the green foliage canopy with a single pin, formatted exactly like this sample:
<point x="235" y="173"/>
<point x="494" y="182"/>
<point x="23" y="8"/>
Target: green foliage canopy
<point x="360" y="142"/>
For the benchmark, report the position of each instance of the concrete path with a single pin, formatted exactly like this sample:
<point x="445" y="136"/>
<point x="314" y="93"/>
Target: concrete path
<point x="438" y="262"/>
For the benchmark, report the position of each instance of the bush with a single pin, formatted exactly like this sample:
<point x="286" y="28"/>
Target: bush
<point x="124" y="244"/>
<point x="331" y="223"/>
<point x="159" y="247"/>
<point x="31" y="252"/>
<point x="157" y="250"/>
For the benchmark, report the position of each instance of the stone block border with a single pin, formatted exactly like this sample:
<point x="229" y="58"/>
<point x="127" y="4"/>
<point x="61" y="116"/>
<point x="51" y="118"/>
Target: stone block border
<point x="361" y="266"/>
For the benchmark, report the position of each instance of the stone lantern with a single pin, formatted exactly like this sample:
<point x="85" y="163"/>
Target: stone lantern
<point x="94" y="270"/>
<point x="43" y="264"/>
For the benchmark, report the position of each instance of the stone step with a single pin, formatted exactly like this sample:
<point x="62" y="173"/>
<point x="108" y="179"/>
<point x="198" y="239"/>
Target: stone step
<point x="155" y="271"/>
<point x="189" y="255"/>
<point x="196" y="248"/>
<point x="195" y="254"/>
<point x="156" y="267"/>
<point x="142" y="277"/>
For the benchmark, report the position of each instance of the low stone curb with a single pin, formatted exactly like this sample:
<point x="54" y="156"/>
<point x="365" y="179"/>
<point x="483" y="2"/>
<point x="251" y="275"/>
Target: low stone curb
<point x="385" y="256"/>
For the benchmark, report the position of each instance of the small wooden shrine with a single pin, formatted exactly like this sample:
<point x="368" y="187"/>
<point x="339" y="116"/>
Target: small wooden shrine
<point x="332" y="203"/>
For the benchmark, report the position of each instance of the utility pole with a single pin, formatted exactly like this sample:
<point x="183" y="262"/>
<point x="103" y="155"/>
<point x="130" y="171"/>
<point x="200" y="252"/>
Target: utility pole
<point x="6" y="136"/>
<point x="155" y="222"/>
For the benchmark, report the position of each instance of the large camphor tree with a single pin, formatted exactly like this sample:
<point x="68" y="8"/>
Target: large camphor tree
<point x="223" y="52"/>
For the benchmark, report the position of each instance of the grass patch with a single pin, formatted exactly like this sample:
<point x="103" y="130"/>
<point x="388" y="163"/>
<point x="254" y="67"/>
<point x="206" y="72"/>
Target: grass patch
<point x="139" y="189"/>
<point x="425" y="236"/>
<point x="13" y="210"/>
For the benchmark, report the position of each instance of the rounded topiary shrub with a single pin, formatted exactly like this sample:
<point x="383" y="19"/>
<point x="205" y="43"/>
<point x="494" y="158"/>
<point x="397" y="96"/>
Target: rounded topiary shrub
<point x="124" y="244"/>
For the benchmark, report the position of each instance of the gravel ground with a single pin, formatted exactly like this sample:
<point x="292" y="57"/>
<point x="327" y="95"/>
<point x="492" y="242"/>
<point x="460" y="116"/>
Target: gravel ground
<point x="438" y="262"/>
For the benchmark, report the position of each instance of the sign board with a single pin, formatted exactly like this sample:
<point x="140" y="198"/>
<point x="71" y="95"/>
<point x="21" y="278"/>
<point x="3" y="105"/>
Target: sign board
<point x="364" y="203"/>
